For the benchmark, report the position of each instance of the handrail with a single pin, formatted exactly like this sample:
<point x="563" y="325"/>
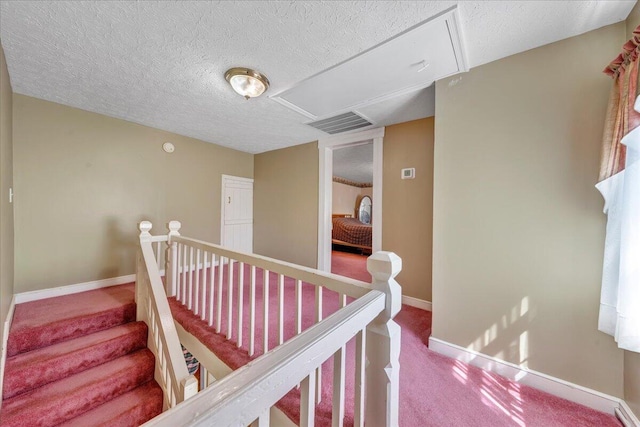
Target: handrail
<point x="231" y="402"/>
<point x="351" y="287"/>
<point x="153" y="308"/>
<point x="210" y="281"/>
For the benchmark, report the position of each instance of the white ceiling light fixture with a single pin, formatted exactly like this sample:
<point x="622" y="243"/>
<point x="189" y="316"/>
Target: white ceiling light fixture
<point x="247" y="82"/>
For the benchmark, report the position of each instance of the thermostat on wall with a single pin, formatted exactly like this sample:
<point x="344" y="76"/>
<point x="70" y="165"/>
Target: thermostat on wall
<point x="408" y="173"/>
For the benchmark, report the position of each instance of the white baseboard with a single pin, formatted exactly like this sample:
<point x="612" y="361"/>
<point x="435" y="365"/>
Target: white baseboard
<point x="86" y="286"/>
<point x="6" y="327"/>
<point x="561" y="388"/>
<point x="73" y="289"/>
<point x="626" y="415"/>
<point x="415" y="302"/>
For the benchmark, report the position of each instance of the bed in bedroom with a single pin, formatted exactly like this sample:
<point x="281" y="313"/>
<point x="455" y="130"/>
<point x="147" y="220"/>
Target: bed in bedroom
<point x="354" y="232"/>
<point x="351" y="232"/>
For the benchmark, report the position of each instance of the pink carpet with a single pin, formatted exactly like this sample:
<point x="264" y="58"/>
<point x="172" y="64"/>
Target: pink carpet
<point x="439" y="391"/>
<point x="80" y="360"/>
<point x="434" y="390"/>
<point x="36" y="368"/>
<point x="37" y="324"/>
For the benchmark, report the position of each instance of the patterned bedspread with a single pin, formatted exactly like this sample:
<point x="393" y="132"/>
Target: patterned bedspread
<point x="352" y="231"/>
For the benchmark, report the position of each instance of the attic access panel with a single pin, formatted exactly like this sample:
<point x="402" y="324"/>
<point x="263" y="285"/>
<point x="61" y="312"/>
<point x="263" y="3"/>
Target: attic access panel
<point x="410" y="61"/>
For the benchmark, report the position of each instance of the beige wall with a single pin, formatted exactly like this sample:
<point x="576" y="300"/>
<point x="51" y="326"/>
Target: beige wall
<point x="632" y="381"/>
<point x="407" y="205"/>
<point x="285" y="204"/>
<point x="6" y="182"/>
<point x="83" y="181"/>
<point x="518" y="224"/>
<point x="631" y="359"/>
<point x="344" y="198"/>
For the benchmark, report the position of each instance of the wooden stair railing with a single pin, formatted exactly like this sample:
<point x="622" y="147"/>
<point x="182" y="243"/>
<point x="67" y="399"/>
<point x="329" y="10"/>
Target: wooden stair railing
<point x="195" y="274"/>
<point x="153" y="309"/>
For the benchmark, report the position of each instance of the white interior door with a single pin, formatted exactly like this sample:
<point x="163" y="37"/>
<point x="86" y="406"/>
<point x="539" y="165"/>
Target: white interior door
<point x="237" y="213"/>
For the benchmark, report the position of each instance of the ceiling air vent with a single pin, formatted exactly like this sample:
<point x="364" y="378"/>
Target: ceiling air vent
<point x="341" y="123"/>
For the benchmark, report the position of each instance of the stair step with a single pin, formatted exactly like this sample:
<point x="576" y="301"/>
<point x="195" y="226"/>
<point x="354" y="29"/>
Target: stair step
<point x="128" y="410"/>
<point x="65" y="399"/>
<point x="27" y="371"/>
<point x="45" y="322"/>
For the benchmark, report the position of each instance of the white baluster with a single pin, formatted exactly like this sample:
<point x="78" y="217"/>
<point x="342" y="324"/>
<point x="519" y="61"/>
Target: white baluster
<point x="220" y="280"/>
<point x="383" y="344"/>
<point x="307" y="398"/>
<point x="337" y="413"/>
<point x="212" y="288"/>
<point x="240" y="301"/>
<point x="280" y="309"/>
<point x="196" y="296"/>
<point x="358" y="410"/>
<point x="204" y="376"/>
<point x="203" y="309"/>
<point x="230" y="299"/>
<point x="319" y="319"/>
<point x="157" y="244"/>
<point x="177" y="272"/>
<point x="190" y="296"/>
<point x="184" y="275"/>
<point x="318" y="304"/>
<point x="252" y="311"/>
<point x="265" y="313"/>
<point x="298" y="306"/>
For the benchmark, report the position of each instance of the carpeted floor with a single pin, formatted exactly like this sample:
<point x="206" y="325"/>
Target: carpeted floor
<point x="79" y="360"/>
<point x="434" y="390"/>
<point x="439" y="391"/>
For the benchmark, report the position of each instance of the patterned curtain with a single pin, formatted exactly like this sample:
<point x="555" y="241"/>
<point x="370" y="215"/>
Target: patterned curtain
<point x="620" y="187"/>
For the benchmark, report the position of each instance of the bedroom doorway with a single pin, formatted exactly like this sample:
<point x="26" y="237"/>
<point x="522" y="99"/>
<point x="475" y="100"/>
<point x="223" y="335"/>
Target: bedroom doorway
<point x="373" y="138"/>
<point x="352" y="208"/>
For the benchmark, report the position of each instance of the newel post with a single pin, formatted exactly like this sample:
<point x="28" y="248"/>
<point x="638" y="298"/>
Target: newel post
<point x="189" y="387"/>
<point x="141" y="271"/>
<point x="171" y="258"/>
<point x="145" y="227"/>
<point x="383" y="344"/>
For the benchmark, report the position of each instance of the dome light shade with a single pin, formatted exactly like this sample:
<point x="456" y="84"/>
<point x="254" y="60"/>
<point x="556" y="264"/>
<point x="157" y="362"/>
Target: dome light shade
<point x="247" y="82"/>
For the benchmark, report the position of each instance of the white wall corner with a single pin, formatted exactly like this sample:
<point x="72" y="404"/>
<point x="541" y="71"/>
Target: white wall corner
<point x="552" y="385"/>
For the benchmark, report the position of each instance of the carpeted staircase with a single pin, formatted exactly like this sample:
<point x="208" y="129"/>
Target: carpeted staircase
<point x="79" y="360"/>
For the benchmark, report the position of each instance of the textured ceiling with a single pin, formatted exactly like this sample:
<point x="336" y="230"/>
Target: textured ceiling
<point x="354" y="163"/>
<point x="161" y="63"/>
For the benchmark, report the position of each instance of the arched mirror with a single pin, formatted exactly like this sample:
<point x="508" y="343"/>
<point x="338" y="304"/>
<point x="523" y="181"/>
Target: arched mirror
<point x="363" y="209"/>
